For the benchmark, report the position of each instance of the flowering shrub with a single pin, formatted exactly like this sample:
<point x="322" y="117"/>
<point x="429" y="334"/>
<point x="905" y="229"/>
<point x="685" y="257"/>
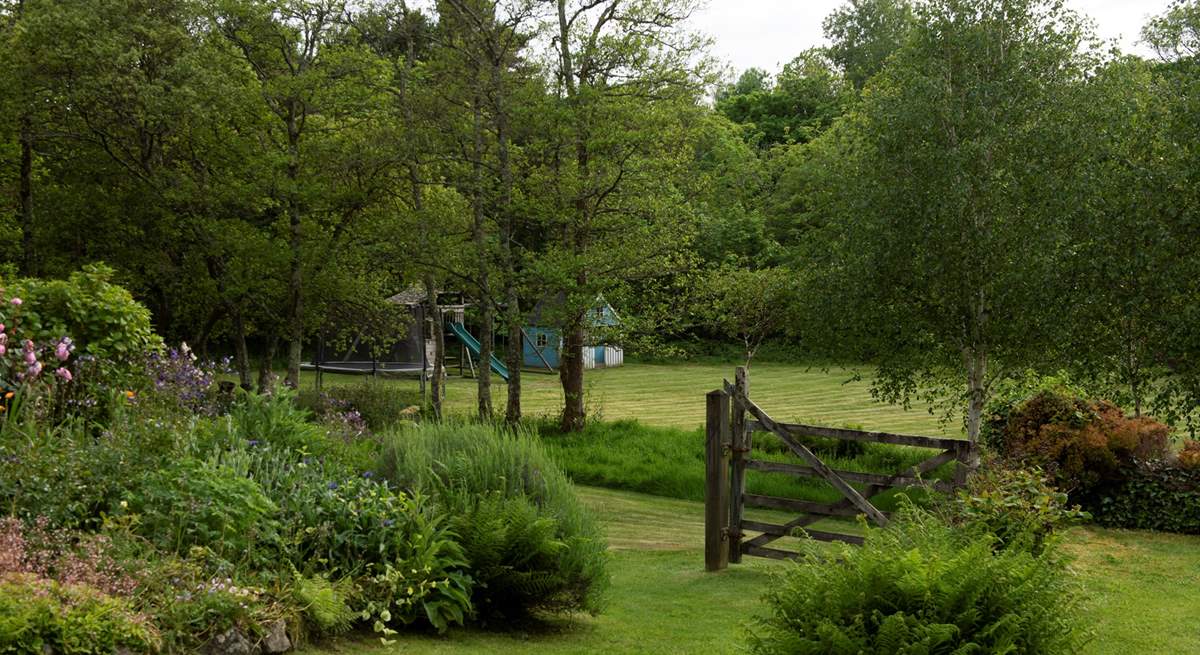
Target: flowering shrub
<point x="107" y="324"/>
<point x="179" y="381"/>
<point x="370" y="404"/>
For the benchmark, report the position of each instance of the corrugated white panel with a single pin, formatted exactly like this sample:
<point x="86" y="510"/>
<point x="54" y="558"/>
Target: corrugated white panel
<point x="613" y="356"/>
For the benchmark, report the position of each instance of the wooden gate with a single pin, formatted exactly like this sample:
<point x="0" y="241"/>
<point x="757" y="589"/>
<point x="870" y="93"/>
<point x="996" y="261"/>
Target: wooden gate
<point x="732" y="420"/>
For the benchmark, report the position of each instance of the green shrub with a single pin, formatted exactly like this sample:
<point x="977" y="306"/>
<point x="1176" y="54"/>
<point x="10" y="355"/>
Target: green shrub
<point x="339" y="522"/>
<point x="1155" y="496"/>
<point x="275" y="420"/>
<point x="1016" y="506"/>
<point x="921" y="586"/>
<point x="530" y="543"/>
<point x="190" y="600"/>
<point x="194" y="504"/>
<point x="103" y="319"/>
<point x="39" y="616"/>
<point x="74" y="476"/>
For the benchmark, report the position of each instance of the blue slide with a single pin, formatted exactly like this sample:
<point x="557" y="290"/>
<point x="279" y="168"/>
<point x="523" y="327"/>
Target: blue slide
<point x="472" y="344"/>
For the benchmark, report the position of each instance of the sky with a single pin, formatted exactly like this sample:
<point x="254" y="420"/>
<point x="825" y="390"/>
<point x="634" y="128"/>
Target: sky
<point x="769" y="33"/>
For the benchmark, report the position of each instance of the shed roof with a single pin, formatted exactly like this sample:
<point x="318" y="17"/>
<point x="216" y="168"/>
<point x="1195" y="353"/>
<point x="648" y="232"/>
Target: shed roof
<point x="413" y="295"/>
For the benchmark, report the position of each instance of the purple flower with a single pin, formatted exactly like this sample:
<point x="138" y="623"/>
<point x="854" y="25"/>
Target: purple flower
<point x="387" y="523"/>
<point x="35" y="369"/>
<point x="367" y="474"/>
<point x="333" y="485"/>
<point x="63" y="373"/>
<point x="30" y="357"/>
<point x="17" y="302"/>
<point x="252" y="443"/>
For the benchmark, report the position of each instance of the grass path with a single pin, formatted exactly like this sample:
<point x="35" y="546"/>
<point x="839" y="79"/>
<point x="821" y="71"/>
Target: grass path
<point x="673" y="396"/>
<point x="1141" y="589"/>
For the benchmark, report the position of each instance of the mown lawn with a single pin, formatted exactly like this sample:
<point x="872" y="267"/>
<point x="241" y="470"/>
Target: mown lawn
<point x="1141" y="591"/>
<point x="673" y="396"/>
<point x="1141" y="587"/>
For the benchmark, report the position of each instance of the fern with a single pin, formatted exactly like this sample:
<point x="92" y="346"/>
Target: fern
<point x="922" y="586"/>
<point x="531" y="546"/>
<point x="325" y="604"/>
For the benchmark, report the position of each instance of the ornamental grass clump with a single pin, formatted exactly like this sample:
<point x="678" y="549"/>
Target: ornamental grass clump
<point x="922" y="586"/>
<point x="532" y="546"/>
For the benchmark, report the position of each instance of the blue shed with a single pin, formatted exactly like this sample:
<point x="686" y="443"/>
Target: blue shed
<point x="543" y="344"/>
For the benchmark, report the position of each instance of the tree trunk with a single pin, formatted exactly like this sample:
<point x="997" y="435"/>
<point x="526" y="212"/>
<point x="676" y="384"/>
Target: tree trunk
<point x="976" y="360"/>
<point x="515" y="355"/>
<point x="25" y="193"/>
<point x="439" y="357"/>
<point x="266" y="377"/>
<point x="507" y="220"/>
<point x="487" y="317"/>
<point x="200" y="341"/>
<point x="241" y="357"/>
<point x="570" y="373"/>
<point x="296" y="273"/>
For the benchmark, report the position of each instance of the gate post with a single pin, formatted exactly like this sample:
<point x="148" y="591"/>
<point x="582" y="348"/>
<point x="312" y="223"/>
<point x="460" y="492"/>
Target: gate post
<point x="716" y="488"/>
<point x="740" y="447"/>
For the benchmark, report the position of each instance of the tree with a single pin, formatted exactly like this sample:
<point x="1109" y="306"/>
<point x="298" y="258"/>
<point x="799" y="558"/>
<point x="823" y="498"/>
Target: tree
<point x="626" y="85"/>
<point x="943" y="198"/>
<point x="749" y="305"/>
<point x="1175" y="176"/>
<point x="803" y="101"/>
<point x="864" y="33"/>
<point x="1128" y="256"/>
<point x="320" y="86"/>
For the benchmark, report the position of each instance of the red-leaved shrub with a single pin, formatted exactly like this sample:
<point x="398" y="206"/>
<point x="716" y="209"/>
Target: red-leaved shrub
<point x="62" y="556"/>
<point x="1189" y="457"/>
<point x="1084" y="446"/>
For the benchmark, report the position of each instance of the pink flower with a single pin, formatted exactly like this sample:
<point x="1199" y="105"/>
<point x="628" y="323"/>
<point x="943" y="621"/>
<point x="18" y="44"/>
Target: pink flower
<point x="3" y="350"/>
<point x="30" y="357"/>
<point x="62" y="351"/>
<point x="28" y="345"/>
<point x="17" y="302"/>
<point x="35" y="369"/>
<point x="63" y="373"/>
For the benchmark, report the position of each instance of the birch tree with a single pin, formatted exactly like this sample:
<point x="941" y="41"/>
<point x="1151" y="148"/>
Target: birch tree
<point x="944" y="198"/>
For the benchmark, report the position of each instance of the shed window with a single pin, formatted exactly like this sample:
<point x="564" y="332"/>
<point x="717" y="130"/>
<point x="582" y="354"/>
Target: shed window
<point x="541" y="341"/>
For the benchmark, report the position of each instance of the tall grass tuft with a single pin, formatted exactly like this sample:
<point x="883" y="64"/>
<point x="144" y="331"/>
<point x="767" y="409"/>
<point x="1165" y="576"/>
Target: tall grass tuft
<point x="532" y="546"/>
<point x="670" y="462"/>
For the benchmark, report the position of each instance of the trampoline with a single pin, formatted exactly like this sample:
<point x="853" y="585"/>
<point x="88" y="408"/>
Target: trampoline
<point x="391" y="369"/>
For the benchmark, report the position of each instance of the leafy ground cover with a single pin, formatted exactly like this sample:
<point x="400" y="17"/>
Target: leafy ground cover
<point x="1140" y="592"/>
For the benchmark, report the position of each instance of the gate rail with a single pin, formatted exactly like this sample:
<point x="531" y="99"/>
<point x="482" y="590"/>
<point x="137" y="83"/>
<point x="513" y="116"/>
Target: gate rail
<point x="732" y="420"/>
